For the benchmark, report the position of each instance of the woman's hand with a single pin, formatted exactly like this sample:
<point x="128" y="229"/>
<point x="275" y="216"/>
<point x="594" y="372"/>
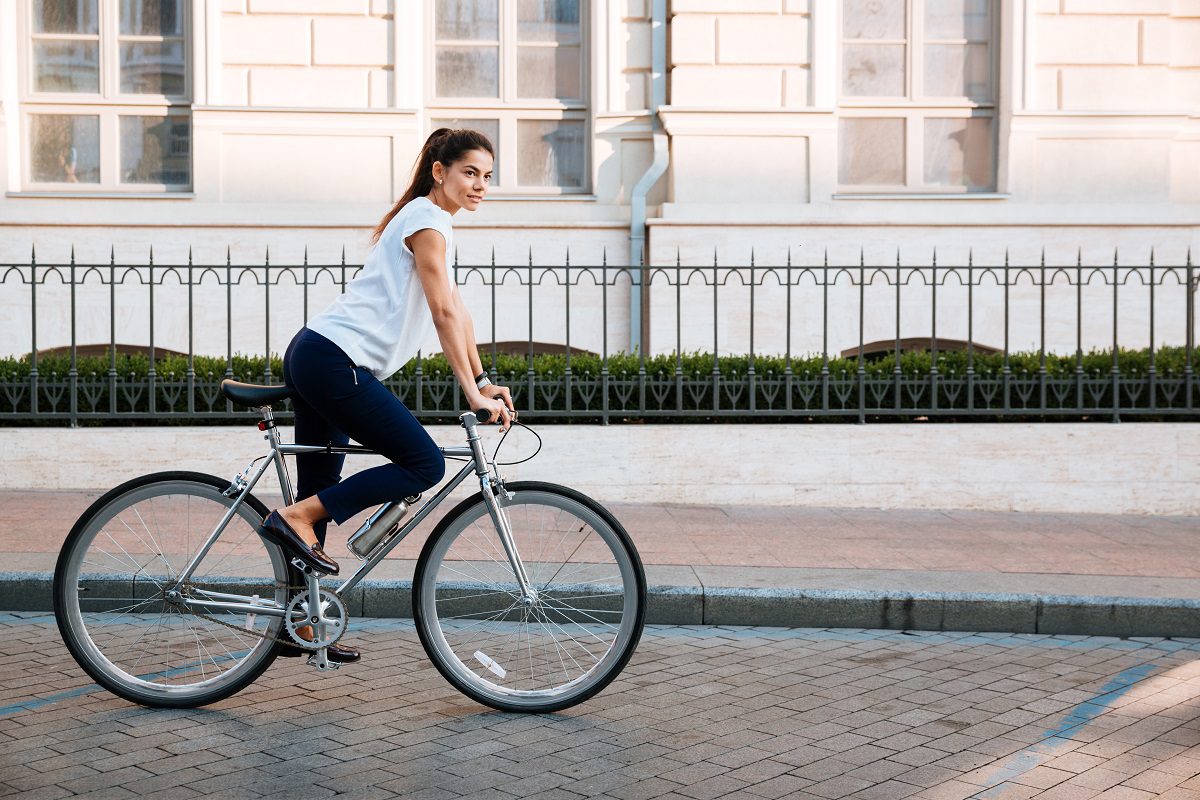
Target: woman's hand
<point x="498" y="401"/>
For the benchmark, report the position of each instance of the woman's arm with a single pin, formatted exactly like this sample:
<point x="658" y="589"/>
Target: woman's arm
<point x="451" y="320"/>
<point x="468" y="333"/>
<point x="493" y="390"/>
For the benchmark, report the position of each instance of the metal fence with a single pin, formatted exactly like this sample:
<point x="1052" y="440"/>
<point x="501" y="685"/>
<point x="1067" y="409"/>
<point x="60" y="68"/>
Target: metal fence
<point x="929" y="341"/>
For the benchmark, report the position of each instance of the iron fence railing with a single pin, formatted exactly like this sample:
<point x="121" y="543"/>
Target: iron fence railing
<point x="853" y="341"/>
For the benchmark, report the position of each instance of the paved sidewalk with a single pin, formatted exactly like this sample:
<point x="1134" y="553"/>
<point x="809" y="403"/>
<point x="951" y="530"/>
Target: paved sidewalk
<point x="957" y="570"/>
<point x="738" y="713"/>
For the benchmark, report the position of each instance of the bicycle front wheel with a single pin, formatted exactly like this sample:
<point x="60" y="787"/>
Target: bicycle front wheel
<point x="113" y="591"/>
<point x="568" y="642"/>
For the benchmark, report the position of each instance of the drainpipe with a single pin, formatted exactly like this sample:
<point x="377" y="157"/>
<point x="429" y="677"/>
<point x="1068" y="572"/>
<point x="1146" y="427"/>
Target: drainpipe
<point x="662" y="156"/>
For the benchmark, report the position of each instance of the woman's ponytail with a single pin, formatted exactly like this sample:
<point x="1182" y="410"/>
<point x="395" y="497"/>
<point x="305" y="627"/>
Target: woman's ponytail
<point x="444" y="145"/>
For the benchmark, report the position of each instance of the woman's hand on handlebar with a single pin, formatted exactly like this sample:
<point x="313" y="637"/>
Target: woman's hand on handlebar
<point x="498" y="401"/>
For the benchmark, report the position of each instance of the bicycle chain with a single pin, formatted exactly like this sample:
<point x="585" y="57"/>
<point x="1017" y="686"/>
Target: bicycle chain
<point x="287" y="640"/>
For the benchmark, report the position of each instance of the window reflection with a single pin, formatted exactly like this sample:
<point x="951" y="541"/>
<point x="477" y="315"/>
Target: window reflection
<point x="65" y="148"/>
<point x="156" y="149"/>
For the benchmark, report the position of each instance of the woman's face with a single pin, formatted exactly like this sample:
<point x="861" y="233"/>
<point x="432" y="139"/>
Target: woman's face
<point x="465" y="182"/>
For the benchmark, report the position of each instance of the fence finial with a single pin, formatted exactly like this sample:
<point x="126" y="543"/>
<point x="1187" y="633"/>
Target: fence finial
<point x="970" y="260"/>
<point x="267" y="257"/>
<point x="568" y="260"/>
<point x="826" y="258"/>
<point x="1079" y="257"/>
<point x="935" y="256"/>
<point x="306" y="255"/>
<point x="604" y="256"/>
<point x="1116" y="256"/>
<point x="228" y="256"/>
<point x="1151" y="255"/>
<point x="33" y="255"/>
<point x="493" y="255"/>
<point x="1043" y="256"/>
<point x="678" y="257"/>
<point x="343" y="255"/>
<point x="456" y="256"/>
<point x="789" y="257"/>
<point x="189" y="258"/>
<point x="152" y="255"/>
<point x="751" y="256"/>
<point x="112" y="255"/>
<point x="73" y="254"/>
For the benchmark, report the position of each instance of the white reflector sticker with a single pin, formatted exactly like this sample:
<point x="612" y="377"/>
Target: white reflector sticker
<point x="491" y="665"/>
<point x="252" y="616"/>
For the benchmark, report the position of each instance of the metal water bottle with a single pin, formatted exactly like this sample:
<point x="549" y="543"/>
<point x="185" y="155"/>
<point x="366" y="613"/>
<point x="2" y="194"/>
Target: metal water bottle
<point x="379" y="527"/>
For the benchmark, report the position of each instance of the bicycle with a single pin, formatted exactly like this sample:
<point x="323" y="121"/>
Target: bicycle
<point x="527" y="596"/>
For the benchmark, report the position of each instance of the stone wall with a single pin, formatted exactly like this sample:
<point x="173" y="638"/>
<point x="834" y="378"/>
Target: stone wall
<point x="1138" y="468"/>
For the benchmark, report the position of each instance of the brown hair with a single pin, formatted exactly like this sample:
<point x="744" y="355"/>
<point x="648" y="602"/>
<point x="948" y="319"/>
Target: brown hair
<point x="444" y="145"/>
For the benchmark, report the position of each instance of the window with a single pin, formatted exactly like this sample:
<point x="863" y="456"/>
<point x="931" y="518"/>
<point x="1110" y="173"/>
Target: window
<point x="106" y="95"/>
<point x="514" y="69"/>
<point x="918" y="96"/>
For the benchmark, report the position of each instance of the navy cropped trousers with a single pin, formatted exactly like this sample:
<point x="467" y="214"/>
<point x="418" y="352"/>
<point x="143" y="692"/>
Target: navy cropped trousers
<point x="335" y="401"/>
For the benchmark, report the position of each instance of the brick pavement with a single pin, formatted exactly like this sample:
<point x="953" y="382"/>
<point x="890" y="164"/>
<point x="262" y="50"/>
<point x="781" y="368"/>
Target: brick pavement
<point x="699" y="713"/>
<point x="34" y="523"/>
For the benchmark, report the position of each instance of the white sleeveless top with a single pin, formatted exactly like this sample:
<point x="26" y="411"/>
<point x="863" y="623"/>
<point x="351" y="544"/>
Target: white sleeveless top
<point x="383" y="319"/>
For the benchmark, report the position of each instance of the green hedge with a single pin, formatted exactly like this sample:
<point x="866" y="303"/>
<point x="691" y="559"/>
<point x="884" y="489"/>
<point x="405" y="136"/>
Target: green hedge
<point x="663" y="396"/>
<point x="1131" y="363"/>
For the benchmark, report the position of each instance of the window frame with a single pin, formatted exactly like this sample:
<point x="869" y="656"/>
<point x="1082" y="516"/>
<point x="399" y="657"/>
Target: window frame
<point x="109" y="104"/>
<point x="914" y="109"/>
<point x="509" y="109"/>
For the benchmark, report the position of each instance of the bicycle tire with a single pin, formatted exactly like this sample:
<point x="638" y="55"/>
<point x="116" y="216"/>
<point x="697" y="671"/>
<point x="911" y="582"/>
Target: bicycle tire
<point x="104" y="606"/>
<point x="610" y="623"/>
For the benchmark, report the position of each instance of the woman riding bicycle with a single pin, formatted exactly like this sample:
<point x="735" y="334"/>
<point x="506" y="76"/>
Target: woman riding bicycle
<point x="335" y="363"/>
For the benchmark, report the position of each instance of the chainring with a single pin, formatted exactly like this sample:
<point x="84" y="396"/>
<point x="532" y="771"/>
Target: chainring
<point x="298" y="616"/>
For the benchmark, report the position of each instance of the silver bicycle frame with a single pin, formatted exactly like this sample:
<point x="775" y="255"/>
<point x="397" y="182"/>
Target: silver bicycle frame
<point x="479" y="464"/>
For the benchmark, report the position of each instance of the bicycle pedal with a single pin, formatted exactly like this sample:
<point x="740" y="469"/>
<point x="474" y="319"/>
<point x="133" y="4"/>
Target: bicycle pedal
<point x="306" y="569"/>
<point x="322" y="662"/>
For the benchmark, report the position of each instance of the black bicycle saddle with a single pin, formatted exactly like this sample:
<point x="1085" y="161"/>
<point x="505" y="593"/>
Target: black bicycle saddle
<point x="249" y="394"/>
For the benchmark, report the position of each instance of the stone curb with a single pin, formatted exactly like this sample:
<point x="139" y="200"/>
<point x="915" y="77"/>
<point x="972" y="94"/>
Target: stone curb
<point x="1076" y="615"/>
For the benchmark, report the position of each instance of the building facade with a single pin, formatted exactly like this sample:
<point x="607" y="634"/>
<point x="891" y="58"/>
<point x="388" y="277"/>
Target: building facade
<point x="677" y="131"/>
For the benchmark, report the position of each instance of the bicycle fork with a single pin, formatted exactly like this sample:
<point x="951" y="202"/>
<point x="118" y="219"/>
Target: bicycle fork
<point x="489" y="486"/>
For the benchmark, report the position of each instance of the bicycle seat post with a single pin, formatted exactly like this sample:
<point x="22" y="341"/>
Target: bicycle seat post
<point x="267" y="424"/>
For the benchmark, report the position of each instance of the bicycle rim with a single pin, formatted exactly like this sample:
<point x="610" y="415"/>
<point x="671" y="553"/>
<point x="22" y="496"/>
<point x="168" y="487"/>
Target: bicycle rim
<point x="123" y="556"/>
<point x="577" y="634"/>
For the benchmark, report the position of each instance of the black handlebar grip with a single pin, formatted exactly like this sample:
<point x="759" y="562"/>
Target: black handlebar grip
<point x="484" y="415"/>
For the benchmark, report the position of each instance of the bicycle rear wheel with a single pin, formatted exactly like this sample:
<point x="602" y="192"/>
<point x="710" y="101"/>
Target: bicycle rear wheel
<point x="120" y="560"/>
<point x="576" y="636"/>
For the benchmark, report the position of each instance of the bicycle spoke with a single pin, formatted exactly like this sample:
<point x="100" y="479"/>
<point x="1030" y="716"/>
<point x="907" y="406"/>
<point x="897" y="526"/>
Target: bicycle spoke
<point x="581" y="611"/>
<point x="480" y="577"/>
<point x="559" y="648"/>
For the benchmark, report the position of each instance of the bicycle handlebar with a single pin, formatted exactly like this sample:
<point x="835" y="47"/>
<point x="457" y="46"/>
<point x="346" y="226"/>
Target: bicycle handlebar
<point x="484" y="416"/>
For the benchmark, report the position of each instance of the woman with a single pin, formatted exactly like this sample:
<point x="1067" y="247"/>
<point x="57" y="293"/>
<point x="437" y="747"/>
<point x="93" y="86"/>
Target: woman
<point x="335" y="363"/>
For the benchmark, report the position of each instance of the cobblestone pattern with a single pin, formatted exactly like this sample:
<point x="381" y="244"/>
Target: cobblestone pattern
<point x="699" y="713"/>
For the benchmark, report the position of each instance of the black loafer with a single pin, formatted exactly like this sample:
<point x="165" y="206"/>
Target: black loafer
<point x="335" y="652"/>
<point x="276" y="530"/>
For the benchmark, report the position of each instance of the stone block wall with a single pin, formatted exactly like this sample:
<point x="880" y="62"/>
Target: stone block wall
<point x="310" y="54"/>
<point x="753" y="50"/>
<point x="1117" y="55"/>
